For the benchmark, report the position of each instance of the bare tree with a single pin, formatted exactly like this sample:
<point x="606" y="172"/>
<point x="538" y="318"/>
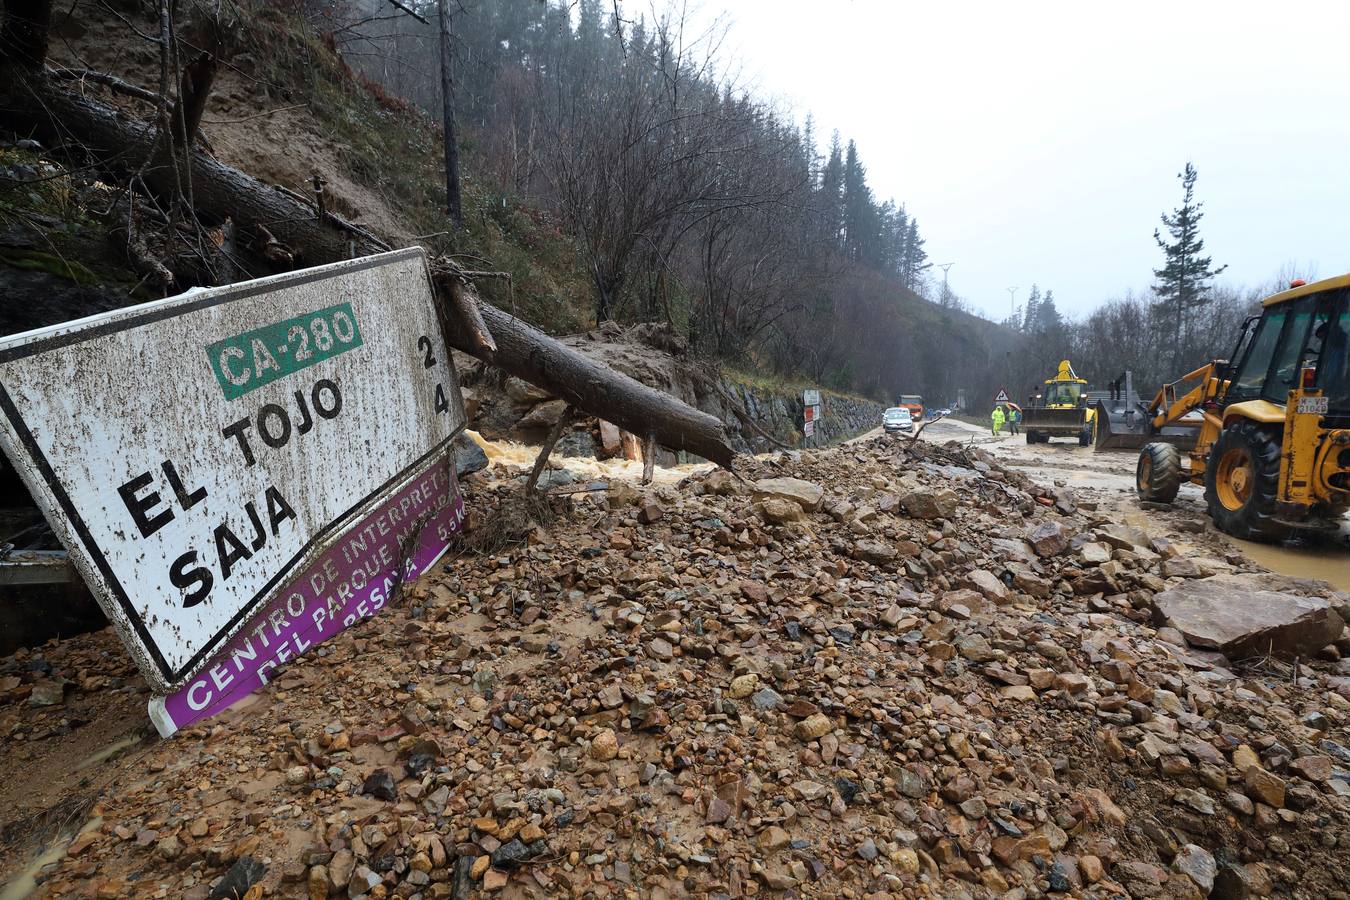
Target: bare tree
<point x="452" y="203"/>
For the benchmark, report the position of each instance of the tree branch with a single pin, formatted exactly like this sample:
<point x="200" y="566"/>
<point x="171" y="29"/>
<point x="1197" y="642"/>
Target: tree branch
<point x="410" y="12"/>
<point x="112" y="82"/>
<point x="547" y="450"/>
<point x="193" y="90"/>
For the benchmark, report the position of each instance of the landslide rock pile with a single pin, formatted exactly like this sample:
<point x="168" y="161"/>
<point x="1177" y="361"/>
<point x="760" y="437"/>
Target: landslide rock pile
<point x="881" y="670"/>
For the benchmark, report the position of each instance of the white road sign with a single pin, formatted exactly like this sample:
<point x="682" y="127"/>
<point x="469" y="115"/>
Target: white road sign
<point x="811" y="397"/>
<point x="194" y="452"/>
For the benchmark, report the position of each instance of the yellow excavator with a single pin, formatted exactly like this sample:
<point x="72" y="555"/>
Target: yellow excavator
<point x="1060" y="410"/>
<point x="1272" y="446"/>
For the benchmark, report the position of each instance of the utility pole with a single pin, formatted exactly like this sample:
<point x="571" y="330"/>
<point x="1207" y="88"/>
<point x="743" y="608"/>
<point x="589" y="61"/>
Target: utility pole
<point x="1012" y="309"/>
<point x="452" y="203"/>
<point x="944" y="267"/>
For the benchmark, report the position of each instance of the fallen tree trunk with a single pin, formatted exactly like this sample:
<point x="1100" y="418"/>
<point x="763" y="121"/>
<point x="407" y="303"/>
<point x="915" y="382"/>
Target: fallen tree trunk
<point x="34" y="104"/>
<point x="596" y="389"/>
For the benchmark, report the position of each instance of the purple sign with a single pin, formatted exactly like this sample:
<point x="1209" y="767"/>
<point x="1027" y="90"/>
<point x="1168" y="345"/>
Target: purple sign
<point x="351" y="581"/>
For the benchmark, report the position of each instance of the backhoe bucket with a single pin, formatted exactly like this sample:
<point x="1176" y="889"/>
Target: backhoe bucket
<point x="1123" y="420"/>
<point x="1122" y="426"/>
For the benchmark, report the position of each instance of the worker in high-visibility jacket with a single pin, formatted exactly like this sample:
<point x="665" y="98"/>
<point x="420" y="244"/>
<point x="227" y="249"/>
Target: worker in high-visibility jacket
<point x="998" y="420"/>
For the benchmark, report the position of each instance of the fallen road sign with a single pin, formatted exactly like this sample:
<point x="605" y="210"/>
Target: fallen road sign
<point x="197" y="454"/>
<point x="355" y="579"/>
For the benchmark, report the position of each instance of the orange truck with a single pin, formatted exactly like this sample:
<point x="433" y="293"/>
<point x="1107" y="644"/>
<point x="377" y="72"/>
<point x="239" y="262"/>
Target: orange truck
<point x="913" y="403"/>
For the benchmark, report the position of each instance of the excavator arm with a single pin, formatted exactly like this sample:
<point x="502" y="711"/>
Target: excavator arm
<point x="1169" y="406"/>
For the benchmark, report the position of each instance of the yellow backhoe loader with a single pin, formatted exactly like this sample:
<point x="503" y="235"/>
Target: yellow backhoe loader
<point x="1060" y="410"/>
<point x="1273" y="442"/>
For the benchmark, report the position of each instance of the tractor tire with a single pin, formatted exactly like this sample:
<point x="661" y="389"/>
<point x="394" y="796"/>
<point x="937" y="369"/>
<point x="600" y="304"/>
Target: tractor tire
<point x="1157" y="477"/>
<point x="1242" y="481"/>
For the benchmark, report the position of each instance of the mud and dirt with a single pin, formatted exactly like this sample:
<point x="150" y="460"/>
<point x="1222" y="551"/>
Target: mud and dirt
<point x="1107" y="479"/>
<point x="882" y="670"/>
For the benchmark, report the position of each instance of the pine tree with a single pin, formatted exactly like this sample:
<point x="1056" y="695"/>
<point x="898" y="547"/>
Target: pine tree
<point x="1048" y="319"/>
<point x="916" y="258"/>
<point x="887" y="243"/>
<point x="858" y="208"/>
<point x="832" y="193"/>
<point x="900" y="235"/>
<point x="1184" y="279"/>
<point x="1029" y="321"/>
<point x="809" y="143"/>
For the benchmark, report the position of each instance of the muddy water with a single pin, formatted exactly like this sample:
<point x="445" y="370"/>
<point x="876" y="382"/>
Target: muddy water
<point x="1327" y="560"/>
<point x="108" y="752"/>
<point x="508" y="455"/>
<point x="1113" y="471"/>
<point x="24" y="884"/>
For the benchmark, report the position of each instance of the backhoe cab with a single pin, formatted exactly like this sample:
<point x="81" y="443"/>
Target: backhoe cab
<point x="1273" y="444"/>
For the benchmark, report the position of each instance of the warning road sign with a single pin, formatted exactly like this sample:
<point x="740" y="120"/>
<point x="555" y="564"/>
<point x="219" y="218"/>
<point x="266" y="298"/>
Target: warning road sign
<point x="1002" y="396"/>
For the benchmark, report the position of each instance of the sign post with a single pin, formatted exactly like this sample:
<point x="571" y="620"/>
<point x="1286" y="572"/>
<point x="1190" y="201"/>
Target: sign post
<point x="241" y="472"/>
<point x="811" y="414"/>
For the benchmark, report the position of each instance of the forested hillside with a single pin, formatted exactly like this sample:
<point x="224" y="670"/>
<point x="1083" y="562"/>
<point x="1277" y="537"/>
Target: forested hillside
<point x="688" y="199"/>
<point x="611" y="167"/>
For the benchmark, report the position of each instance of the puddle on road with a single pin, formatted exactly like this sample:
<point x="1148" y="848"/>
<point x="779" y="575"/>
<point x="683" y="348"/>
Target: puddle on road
<point x="509" y="454"/>
<point x="1327" y="560"/>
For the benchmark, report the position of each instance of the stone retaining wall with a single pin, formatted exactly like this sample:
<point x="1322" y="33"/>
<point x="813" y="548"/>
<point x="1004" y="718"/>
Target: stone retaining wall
<point x="781" y="416"/>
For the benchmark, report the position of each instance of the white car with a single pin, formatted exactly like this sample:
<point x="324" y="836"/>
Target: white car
<point x="897" y="419"/>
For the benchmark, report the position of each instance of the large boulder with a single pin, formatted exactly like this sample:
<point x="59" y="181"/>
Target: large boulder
<point x="1242" y="620"/>
<point x="543" y="416"/>
<point x="611" y="440"/>
<point x="805" y="494"/>
<point x="1049" y="539"/>
<point x="930" y="504"/>
<point x="524" y="393"/>
<point x="778" y="511"/>
<point x="1124" y="537"/>
<point x="469" y="457"/>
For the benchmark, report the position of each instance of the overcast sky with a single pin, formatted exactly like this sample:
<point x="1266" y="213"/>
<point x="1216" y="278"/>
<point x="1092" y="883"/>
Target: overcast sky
<point x="1039" y="141"/>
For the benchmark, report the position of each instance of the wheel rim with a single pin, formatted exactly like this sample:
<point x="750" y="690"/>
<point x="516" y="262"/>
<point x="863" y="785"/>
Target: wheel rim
<point x="1145" y="473"/>
<point x="1233" y="480"/>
